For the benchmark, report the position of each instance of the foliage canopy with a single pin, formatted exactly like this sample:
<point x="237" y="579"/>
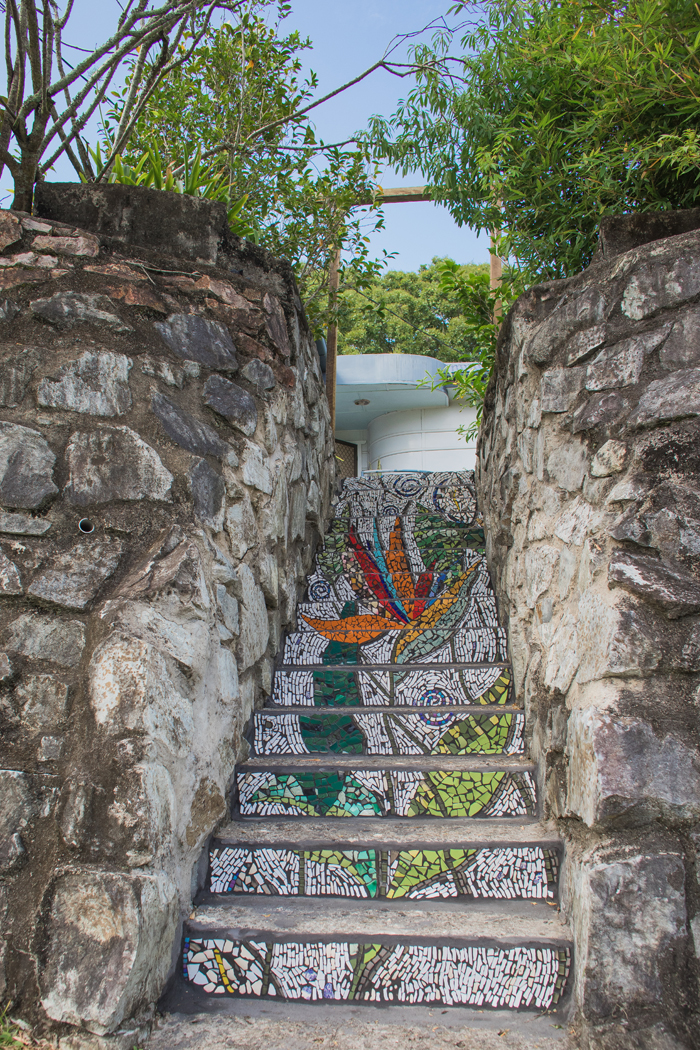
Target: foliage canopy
<point x="412" y="313"/>
<point x="569" y="111"/>
<point x="231" y="101"/>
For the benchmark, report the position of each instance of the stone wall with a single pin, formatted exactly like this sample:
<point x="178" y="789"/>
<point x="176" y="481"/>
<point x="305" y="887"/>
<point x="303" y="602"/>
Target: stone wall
<point x="166" y="465"/>
<point x="589" y="477"/>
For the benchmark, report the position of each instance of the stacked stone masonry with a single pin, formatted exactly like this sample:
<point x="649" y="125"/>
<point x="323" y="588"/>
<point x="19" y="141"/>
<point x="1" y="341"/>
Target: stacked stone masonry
<point x="166" y="468"/>
<point x="589" y="477"/>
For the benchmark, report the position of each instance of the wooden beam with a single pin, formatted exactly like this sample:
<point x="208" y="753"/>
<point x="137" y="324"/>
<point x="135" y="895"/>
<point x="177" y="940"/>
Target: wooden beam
<point x="332" y="340"/>
<point x="399" y="195"/>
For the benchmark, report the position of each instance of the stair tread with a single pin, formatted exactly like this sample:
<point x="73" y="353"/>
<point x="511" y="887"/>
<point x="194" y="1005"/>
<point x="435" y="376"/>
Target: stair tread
<point x="288" y="918"/>
<point x="388" y="763"/>
<point x="360" y="832"/>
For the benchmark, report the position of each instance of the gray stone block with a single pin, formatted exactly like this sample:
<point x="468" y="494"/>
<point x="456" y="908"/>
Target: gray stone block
<point x="559" y="388"/>
<point x="10" y="582"/>
<point x="584" y="309"/>
<point x="65" y="309"/>
<point x="228" y="607"/>
<point x="186" y="430"/>
<point x="42" y="636"/>
<point x="43" y="700"/>
<point x="276" y="324"/>
<point x="23" y="524"/>
<point x="241" y="527"/>
<point x="255" y="629"/>
<point x="606" y="410"/>
<point x="260" y="374"/>
<point x="619" y="365"/>
<point x="232" y="402"/>
<point x="26" y="468"/>
<point x="24" y="797"/>
<point x="568" y="465"/>
<point x="114" y="463"/>
<point x="682" y="348"/>
<point x="658" y="284"/>
<point x="636" y="909"/>
<point x="107" y="948"/>
<point x="676" y="397"/>
<point x="96" y="384"/>
<point x="581" y="344"/>
<point x="8" y="310"/>
<point x="196" y="338"/>
<point x="622" y="770"/>
<point x="76" y="575"/>
<point x="677" y="591"/>
<point x="209" y="494"/>
<point x="609" y="459"/>
<point x="255" y="472"/>
<point x="15" y="373"/>
<point x="668" y="521"/>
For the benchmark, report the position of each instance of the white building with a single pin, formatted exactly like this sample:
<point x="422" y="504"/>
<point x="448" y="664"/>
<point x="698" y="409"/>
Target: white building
<point x="391" y="422"/>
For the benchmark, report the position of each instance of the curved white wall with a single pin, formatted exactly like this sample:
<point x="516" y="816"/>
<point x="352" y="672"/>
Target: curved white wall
<point x="421" y="439"/>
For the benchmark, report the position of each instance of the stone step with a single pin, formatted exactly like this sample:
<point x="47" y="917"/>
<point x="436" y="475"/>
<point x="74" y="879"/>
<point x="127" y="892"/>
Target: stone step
<point x="423" y="731"/>
<point x="466" y="645"/>
<point x="413" y="787"/>
<point x="386" y="686"/>
<point x="477" y="872"/>
<point x="514" y="954"/>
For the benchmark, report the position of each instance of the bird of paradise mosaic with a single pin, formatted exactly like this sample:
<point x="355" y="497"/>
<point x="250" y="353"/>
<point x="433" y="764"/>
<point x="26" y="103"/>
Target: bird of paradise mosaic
<point x="398" y="658"/>
<point x="402" y="579"/>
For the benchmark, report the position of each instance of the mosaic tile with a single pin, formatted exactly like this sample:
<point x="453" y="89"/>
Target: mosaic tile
<point x="406" y="569"/>
<point x="317" y="972"/>
<point x="496" y="873"/>
<point x="385" y="793"/>
<point x="399" y="616"/>
<point x="471" y="645"/>
<point x="335" y="687"/>
<point x="437" y="732"/>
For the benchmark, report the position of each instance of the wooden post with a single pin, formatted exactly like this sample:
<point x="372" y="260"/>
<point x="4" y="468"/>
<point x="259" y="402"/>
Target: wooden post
<point x="496" y="274"/>
<point x="332" y="340"/>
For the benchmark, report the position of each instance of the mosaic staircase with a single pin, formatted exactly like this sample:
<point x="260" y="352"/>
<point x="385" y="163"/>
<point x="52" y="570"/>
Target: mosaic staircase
<point x="385" y="846"/>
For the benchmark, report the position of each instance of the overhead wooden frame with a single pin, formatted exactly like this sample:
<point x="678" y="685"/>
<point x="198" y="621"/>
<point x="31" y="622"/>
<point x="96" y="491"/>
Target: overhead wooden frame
<point x="393" y="195"/>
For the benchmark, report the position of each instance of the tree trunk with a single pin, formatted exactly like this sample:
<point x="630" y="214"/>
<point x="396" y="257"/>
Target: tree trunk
<point x="24" y="182"/>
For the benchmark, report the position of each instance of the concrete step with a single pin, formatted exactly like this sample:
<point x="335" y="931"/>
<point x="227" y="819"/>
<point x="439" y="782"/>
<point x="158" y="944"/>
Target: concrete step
<point x="349" y="731"/>
<point x="413" y="787"/>
<point x="365" y="833"/>
<point x="487" y="872"/>
<point x="514" y="955"/>
<point x="191" y="1021"/>
<point x="389" y="763"/>
<point x="430" y="685"/>
<point x="488" y="921"/>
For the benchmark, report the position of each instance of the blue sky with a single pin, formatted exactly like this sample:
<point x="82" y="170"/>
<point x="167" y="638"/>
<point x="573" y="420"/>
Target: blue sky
<point x="348" y="36"/>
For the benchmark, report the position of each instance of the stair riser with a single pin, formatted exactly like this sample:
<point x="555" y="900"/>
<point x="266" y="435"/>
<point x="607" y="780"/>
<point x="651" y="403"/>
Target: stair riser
<point x="471" y="645"/>
<point x="532" y="976"/>
<point x="433" y="733"/>
<point x="430" y="687"/>
<point x="381" y="793"/>
<point x="486" y="873"/>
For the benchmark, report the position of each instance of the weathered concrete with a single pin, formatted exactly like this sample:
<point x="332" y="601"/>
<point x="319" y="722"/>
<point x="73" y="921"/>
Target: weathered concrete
<point x="589" y="478"/>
